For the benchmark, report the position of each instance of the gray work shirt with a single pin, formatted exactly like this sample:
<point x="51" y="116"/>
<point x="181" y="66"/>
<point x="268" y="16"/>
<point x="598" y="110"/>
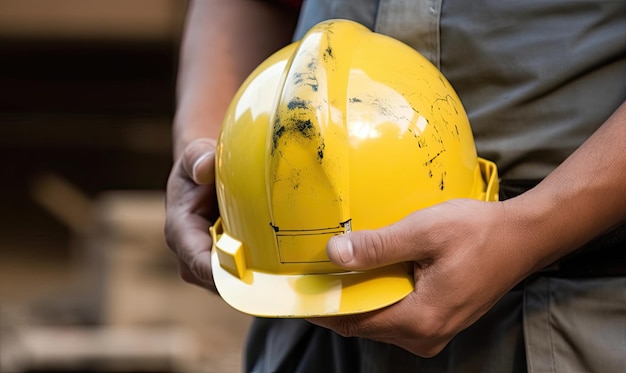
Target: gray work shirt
<point x="536" y="77"/>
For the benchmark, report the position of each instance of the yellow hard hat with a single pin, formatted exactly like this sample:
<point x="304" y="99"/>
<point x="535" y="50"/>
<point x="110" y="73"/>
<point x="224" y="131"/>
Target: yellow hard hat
<point x="343" y="130"/>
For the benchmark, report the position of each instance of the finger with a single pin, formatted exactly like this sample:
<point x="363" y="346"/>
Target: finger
<point x="424" y="334"/>
<point x="194" y="247"/>
<point x="198" y="161"/>
<point x="380" y="325"/>
<point x="188" y="276"/>
<point x="366" y="325"/>
<point x="419" y="238"/>
<point x="187" y="236"/>
<point x="190" y="210"/>
<point x="367" y="249"/>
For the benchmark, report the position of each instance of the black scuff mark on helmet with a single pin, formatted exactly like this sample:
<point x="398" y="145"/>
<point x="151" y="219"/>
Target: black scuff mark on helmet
<point x="432" y="159"/>
<point x="442" y="182"/>
<point x="383" y="107"/>
<point x="443" y="81"/>
<point x="448" y="100"/>
<point x="302" y="79"/>
<point x="354" y="100"/>
<point x="305" y="127"/>
<point x="451" y="102"/>
<point x="298" y="78"/>
<point x="389" y="110"/>
<point x="293" y="124"/>
<point x="279" y="131"/>
<point x="295" y="179"/>
<point x="421" y="142"/>
<point x="307" y="77"/>
<point x="320" y="152"/>
<point x="328" y="53"/>
<point x="298" y="103"/>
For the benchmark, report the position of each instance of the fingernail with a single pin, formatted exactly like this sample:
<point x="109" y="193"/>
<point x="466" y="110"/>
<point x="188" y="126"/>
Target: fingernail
<point x="344" y="249"/>
<point x="196" y="174"/>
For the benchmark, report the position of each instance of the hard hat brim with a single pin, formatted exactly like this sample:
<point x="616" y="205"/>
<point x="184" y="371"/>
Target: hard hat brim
<point x="312" y="295"/>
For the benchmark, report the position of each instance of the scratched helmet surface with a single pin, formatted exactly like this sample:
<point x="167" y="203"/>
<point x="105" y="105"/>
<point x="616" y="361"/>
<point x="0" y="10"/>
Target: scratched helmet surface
<point x="343" y="130"/>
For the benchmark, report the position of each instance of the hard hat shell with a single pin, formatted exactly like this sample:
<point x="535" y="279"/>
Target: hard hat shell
<point x="343" y="130"/>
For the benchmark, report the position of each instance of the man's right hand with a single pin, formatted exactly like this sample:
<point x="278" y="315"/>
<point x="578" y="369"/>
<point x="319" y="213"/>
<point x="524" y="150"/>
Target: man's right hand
<point x="191" y="208"/>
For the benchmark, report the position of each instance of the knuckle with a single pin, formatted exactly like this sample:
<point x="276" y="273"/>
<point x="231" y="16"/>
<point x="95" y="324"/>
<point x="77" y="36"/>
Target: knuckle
<point x="432" y="329"/>
<point x="187" y="276"/>
<point x="374" y="244"/>
<point x="348" y="327"/>
<point x="433" y="336"/>
<point x="196" y="274"/>
<point x="168" y="233"/>
<point x="364" y="327"/>
<point x="201" y="272"/>
<point x="172" y="236"/>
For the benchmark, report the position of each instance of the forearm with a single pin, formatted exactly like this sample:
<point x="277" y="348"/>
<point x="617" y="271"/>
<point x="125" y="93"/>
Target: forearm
<point x="581" y="199"/>
<point x="222" y="43"/>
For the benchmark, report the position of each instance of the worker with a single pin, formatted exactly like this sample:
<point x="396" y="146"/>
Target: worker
<point x="532" y="283"/>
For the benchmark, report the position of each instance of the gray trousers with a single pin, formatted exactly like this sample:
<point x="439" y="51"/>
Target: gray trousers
<point x="570" y="320"/>
<point x="547" y="324"/>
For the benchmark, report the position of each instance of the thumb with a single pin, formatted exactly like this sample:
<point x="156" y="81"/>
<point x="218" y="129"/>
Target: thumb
<point x="198" y="161"/>
<point x="367" y="249"/>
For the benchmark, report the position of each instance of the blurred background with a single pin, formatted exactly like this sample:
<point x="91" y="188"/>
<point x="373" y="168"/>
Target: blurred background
<point x="86" y="281"/>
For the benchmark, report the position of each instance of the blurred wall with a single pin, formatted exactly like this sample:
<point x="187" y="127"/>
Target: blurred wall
<point x="87" y="93"/>
<point x="113" y="20"/>
<point x="86" y="104"/>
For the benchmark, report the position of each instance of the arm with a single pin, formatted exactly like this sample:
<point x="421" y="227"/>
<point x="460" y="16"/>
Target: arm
<point x="581" y="199"/>
<point x="222" y="43"/>
<point x="468" y="254"/>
